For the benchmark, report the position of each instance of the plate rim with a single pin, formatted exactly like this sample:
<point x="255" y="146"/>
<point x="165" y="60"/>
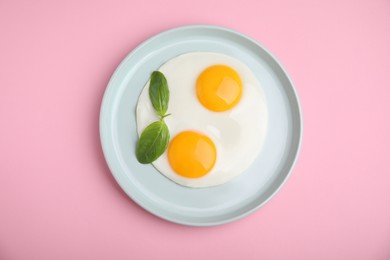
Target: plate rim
<point x="104" y="144"/>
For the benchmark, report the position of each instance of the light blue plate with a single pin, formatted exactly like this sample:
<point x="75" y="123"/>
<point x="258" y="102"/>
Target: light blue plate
<point x="208" y="206"/>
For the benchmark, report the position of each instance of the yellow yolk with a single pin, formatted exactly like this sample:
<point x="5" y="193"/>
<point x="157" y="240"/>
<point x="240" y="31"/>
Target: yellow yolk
<point x="219" y="88"/>
<point x="191" y="155"/>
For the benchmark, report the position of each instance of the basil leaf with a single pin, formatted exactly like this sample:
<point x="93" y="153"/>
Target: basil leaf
<point x="159" y="93"/>
<point x="153" y="142"/>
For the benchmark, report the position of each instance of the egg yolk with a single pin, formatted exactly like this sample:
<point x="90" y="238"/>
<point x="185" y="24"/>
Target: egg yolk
<point x="191" y="155"/>
<point x="219" y="88"/>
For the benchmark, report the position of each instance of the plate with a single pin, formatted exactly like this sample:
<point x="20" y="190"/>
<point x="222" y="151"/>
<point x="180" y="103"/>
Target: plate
<point x="207" y="206"/>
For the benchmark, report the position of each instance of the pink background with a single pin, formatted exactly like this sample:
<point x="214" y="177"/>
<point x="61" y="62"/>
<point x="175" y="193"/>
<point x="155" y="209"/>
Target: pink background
<point x="58" y="199"/>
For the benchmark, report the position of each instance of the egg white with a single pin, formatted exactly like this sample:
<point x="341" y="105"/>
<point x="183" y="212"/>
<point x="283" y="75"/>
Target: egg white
<point x="238" y="133"/>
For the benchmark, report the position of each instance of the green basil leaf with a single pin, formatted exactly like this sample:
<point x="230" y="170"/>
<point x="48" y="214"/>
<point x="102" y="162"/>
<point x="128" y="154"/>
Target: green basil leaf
<point x="153" y="142"/>
<point x="159" y="93"/>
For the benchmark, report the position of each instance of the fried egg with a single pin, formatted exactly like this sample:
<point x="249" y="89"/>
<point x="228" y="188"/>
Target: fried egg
<point x="218" y="119"/>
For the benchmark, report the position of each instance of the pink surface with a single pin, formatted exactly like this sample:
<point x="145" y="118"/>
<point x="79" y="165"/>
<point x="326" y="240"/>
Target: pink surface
<point x="58" y="199"/>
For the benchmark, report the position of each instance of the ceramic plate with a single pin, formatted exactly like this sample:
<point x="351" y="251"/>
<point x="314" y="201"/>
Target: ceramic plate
<point x="206" y="206"/>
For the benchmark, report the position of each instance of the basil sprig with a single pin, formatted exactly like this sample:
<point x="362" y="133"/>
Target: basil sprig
<point x="155" y="137"/>
<point x="153" y="142"/>
<point x="159" y="93"/>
